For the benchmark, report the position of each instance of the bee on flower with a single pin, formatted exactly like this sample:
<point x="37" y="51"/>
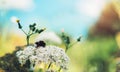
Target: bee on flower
<point x="40" y="53"/>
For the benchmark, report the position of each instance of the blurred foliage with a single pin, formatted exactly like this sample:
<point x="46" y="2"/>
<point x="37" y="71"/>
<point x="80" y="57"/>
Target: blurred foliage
<point x="95" y="55"/>
<point x="10" y="63"/>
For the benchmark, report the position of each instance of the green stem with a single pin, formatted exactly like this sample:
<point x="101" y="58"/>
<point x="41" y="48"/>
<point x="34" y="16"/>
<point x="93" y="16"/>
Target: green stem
<point x="49" y="65"/>
<point x="31" y="34"/>
<point x="59" y="69"/>
<point x="24" y="31"/>
<point x="72" y="44"/>
<point x="66" y="48"/>
<point x="27" y="38"/>
<point x="69" y="46"/>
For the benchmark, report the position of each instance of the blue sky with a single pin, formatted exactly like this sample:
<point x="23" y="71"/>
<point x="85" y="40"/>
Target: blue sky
<point x="75" y="16"/>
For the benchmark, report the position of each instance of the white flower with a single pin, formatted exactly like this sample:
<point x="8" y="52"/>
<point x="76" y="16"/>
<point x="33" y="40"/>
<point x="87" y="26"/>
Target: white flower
<point x="48" y="54"/>
<point x="24" y="55"/>
<point x="22" y="59"/>
<point x="19" y="53"/>
<point x="33" y="59"/>
<point x="53" y="54"/>
<point x="49" y="37"/>
<point x="29" y="51"/>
